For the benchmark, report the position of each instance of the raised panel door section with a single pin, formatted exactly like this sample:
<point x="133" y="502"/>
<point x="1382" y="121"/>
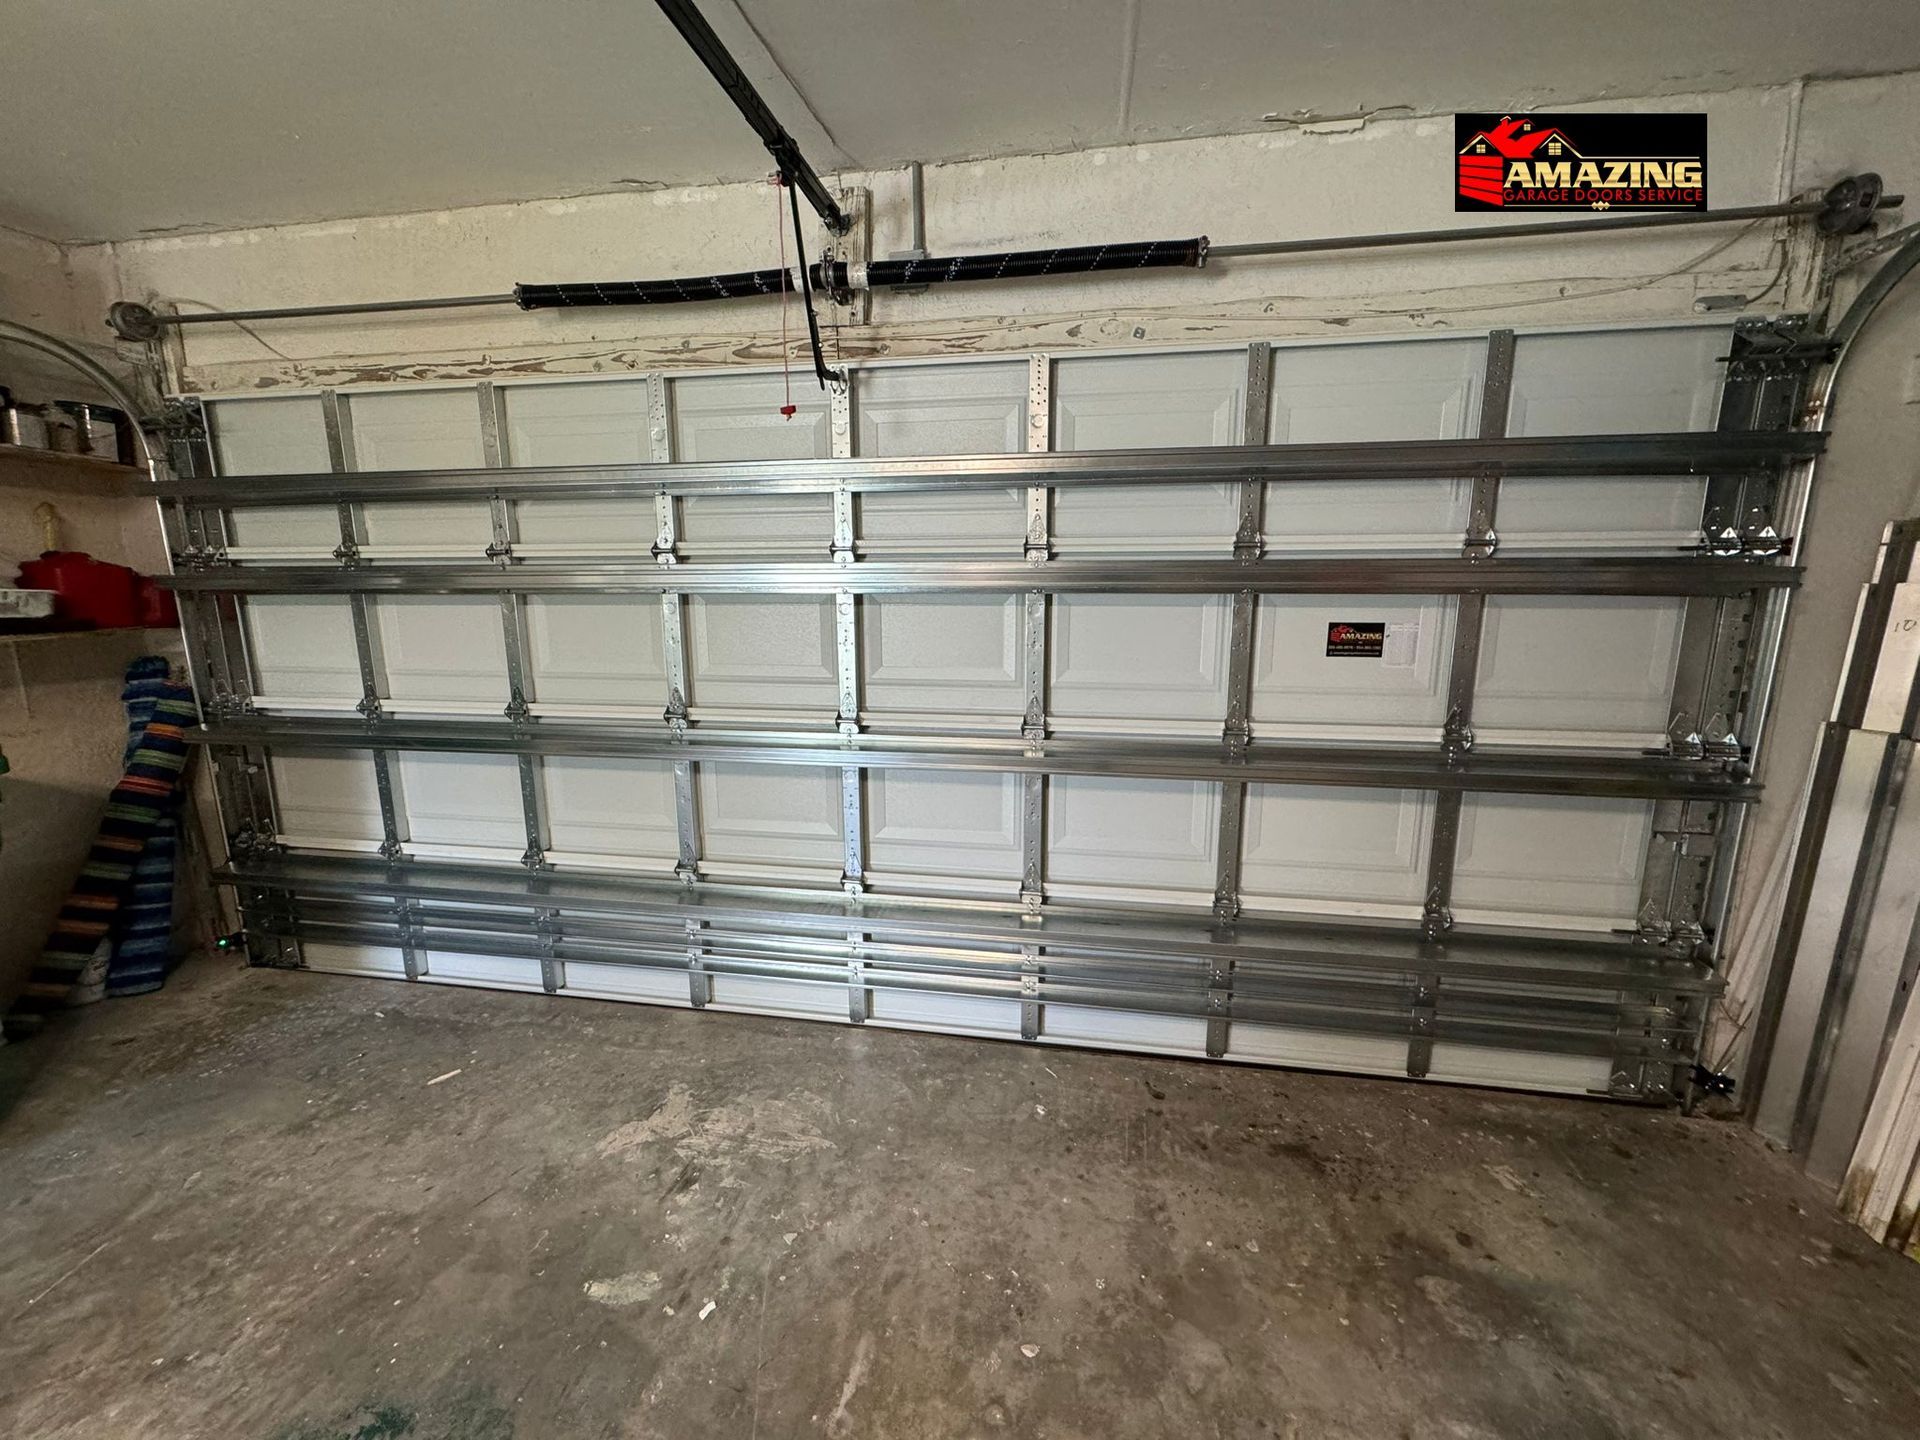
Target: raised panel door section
<point x="1565" y="861"/>
<point x="304" y="656"/>
<point x="1127" y="840"/>
<point x="770" y="822"/>
<point x="737" y="417"/>
<point x="1335" y="394"/>
<point x="1617" y="382"/>
<point x="934" y="659"/>
<point x="1336" y="851"/>
<point x="941" y="410"/>
<point x="442" y="652"/>
<point x="421" y="430"/>
<point x="1129" y="402"/>
<point x="1577" y="670"/>
<point x="1130" y="665"/>
<point x="925" y="826"/>
<point x="463" y="805"/>
<point x="602" y="810"/>
<point x="768" y="660"/>
<point x="327" y="799"/>
<point x="1603" y="383"/>
<point x="586" y="653"/>
<point x="1301" y="691"/>
<point x="941" y="662"/>
<point x="600" y="422"/>
<point x="281" y="436"/>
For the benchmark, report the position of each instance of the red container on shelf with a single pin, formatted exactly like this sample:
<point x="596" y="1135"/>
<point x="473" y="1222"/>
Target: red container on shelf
<point x="158" y="610"/>
<point x="87" y="591"/>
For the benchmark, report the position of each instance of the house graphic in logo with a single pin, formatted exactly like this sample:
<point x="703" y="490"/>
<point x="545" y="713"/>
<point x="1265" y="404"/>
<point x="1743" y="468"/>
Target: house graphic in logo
<point x="1482" y="162"/>
<point x="1638" y="160"/>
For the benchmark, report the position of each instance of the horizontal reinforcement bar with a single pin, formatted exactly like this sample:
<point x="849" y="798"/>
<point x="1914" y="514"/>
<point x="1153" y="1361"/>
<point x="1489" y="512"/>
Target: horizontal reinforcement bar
<point x="1124" y="936"/>
<point x="1584" y="457"/>
<point x="1629" y="1029"/>
<point x="590" y="938"/>
<point x="1630" y="776"/>
<point x="1690" y="575"/>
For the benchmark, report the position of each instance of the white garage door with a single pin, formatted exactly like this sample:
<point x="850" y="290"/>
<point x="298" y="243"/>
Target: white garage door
<point x="483" y="786"/>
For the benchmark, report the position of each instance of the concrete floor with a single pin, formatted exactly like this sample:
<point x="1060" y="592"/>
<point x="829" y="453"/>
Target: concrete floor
<point x="256" y="1205"/>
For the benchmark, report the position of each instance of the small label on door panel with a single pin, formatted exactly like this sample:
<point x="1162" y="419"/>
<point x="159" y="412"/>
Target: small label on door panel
<point x="1362" y="639"/>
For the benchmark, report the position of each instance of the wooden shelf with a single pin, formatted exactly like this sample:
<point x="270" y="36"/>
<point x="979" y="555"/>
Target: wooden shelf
<point x="25" y="637"/>
<point x="88" y="474"/>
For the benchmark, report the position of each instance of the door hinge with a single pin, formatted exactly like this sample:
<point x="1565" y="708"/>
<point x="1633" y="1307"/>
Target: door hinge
<point x="1754" y="538"/>
<point x="1714" y="740"/>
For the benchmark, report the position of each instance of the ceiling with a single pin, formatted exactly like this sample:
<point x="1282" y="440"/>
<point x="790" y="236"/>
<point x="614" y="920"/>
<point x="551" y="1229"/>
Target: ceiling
<point x="131" y="117"/>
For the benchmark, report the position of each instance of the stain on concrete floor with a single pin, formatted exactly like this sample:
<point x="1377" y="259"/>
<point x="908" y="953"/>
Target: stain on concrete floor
<point x="237" y="1209"/>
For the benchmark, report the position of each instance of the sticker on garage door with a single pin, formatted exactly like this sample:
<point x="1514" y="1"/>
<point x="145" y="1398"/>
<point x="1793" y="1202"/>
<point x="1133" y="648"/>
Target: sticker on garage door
<point x="1359" y="639"/>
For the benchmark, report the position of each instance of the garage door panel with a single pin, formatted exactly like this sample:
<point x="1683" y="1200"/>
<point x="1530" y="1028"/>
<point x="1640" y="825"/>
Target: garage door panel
<point x="1125" y="1029"/>
<point x="1562" y="860"/>
<point x="924" y="657"/>
<point x="1334" y="850"/>
<point x="421" y="430"/>
<point x="1200" y="520"/>
<point x="955" y="1014"/>
<point x="302" y="647"/>
<point x="1317" y="1049"/>
<point x="463" y="803"/>
<point x="1397" y="516"/>
<point x="991" y="523"/>
<point x="1577" y="669"/>
<point x="772" y="657"/>
<point x="905" y="410"/>
<point x="1617" y="382"/>
<point x="585" y="650"/>
<point x="442" y="649"/>
<point x="608" y="807"/>
<point x="1301" y="690"/>
<point x="1139" y="663"/>
<point x="779" y="817"/>
<point x="751" y="527"/>
<point x="1154" y="839"/>
<point x="282" y="436"/>
<point x="326" y="796"/>
<point x="758" y="995"/>
<point x="377" y="960"/>
<point x="1337" y="394"/>
<point x="1531" y="1069"/>
<point x="491" y="972"/>
<point x="941" y="410"/>
<point x="1127" y="402"/>
<point x="585" y="527"/>
<point x="1653" y="513"/>
<point x="943" y="822"/>
<point x="291" y="532"/>
<point x="601" y="423"/>
<point x="737" y="417"/>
